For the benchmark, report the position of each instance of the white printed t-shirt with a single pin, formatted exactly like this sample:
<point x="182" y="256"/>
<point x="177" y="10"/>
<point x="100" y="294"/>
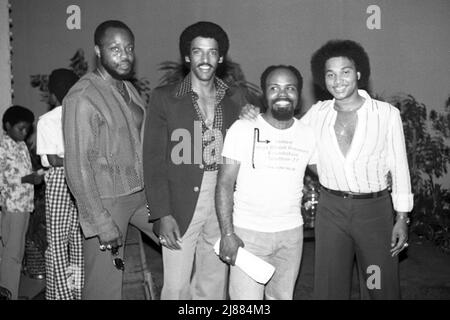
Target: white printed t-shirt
<point x="49" y="136"/>
<point x="269" y="184"/>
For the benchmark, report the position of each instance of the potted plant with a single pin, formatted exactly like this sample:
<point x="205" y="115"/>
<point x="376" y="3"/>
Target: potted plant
<point x="428" y="157"/>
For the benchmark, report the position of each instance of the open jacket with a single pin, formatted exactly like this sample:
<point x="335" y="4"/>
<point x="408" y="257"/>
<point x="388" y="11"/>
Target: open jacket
<point x="103" y="149"/>
<point x="174" y="188"/>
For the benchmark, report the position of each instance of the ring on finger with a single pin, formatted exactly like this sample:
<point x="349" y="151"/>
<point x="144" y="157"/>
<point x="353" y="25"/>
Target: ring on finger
<point x="102" y="247"/>
<point x="108" y="246"/>
<point x="405" y="244"/>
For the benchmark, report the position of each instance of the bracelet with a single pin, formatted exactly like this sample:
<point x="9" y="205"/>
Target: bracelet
<point x="404" y="217"/>
<point x="228" y="234"/>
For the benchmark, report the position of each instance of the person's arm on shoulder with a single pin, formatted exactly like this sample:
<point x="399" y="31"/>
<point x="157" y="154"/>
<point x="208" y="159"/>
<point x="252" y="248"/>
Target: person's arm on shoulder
<point x="249" y="112"/>
<point x="81" y="125"/>
<point x="402" y="197"/>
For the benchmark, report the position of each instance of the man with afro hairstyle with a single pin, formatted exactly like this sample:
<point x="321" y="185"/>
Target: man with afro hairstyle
<point x="193" y="114"/>
<point x="361" y="142"/>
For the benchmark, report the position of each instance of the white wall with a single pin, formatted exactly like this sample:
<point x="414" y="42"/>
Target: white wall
<point x="408" y="54"/>
<point x="5" y="63"/>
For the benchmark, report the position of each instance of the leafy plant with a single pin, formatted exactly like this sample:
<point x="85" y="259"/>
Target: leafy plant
<point x="428" y="158"/>
<point x="142" y="85"/>
<point x="78" y="64"/>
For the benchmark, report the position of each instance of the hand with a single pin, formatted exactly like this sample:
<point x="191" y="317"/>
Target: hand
<point x="249" y="112"/>
<point x="229" y="246"/>
<point x="169" y="233"/>
<point x="399" y="237"/>
<point x="111" y="239"/>
<point x="33" y="178"/>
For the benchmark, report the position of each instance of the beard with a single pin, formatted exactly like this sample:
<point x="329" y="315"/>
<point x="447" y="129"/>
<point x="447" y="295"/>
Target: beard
<point x="116" y="75"/>
<point x="284" y="113"/>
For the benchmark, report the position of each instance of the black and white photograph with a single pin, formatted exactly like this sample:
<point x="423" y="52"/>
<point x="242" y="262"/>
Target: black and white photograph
<point x="224" y="153"/>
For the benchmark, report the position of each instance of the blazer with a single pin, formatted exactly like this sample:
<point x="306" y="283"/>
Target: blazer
<point x="173" y="188"/>
<point x="103" y="149"/>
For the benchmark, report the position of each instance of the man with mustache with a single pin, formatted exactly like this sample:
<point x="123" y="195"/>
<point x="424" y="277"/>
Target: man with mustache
<point x="103" y="117"/>
<point x="266" y="160"/>
<point x="183" y="141"/>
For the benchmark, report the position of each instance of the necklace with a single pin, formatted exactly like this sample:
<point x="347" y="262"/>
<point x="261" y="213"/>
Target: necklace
<point x="208" y="112"/>
<point x="345" y="123"/>
<point x="121" y="89"/>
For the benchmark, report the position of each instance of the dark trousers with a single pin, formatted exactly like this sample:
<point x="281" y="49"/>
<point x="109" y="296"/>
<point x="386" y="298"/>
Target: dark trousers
<point x="347" y="227"/>
<point x="103" y="281"/>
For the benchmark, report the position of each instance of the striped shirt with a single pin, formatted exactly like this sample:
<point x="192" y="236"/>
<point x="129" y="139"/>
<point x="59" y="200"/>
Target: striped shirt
<point x="378" y="147"/>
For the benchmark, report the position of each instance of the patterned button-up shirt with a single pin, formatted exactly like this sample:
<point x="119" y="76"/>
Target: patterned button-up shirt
<point x="209" y="140"/>
<point x="15" y="162"/>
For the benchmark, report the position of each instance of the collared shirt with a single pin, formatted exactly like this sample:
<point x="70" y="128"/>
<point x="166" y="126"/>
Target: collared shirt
<point x="378" y="147"/>
<point x="208" y="140"/>
<point x="49" y="136"/>
<point x="15" y="163"/>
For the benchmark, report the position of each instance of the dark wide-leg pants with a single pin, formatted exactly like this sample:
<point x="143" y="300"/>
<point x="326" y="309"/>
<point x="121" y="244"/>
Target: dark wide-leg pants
<point x="347" y="227"/>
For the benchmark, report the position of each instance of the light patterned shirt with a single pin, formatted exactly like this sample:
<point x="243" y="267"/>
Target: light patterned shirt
<point x="15" y="162"/>
<point x="378" y="147"/>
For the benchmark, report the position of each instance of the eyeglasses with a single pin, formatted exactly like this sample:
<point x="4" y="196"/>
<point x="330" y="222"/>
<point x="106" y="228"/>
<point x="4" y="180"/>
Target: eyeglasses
<point x="256" y="140"/>
<point x="117" y="261"/>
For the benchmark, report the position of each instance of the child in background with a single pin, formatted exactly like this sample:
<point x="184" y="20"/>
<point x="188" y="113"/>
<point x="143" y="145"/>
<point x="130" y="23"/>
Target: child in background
<point x="16" y="194"/>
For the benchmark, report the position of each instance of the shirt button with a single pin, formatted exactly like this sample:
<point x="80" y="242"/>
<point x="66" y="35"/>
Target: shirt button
<point x="196" y="189"/>
<point x="201" y="166"/>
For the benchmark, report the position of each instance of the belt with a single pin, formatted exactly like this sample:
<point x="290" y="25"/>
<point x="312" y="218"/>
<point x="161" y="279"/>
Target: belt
<point x="354" y="195"/>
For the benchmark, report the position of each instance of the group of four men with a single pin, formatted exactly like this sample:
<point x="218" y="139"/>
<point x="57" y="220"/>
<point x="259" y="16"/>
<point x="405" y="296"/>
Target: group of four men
<point x="250" y="193"/>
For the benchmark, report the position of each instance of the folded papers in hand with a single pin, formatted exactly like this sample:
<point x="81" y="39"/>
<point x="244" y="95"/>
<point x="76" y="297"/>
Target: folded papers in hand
<point x="255" y="267"/>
